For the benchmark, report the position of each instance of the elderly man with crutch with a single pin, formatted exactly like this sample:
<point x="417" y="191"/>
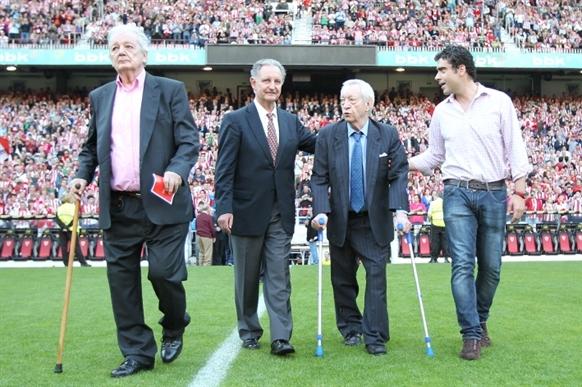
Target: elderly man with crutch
<point x="359" y="181"/>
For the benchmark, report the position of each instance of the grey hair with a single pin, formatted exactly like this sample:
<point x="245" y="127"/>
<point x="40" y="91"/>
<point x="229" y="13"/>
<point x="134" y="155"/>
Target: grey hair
<point x="267" y="62"/>
<point x="366" y="90"/>
<point x="130" y="28"/>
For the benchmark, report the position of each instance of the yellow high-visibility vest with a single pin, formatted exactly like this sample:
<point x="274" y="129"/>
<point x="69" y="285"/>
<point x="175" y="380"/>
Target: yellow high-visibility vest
<point x="65" y="213"/>
<point x="435" y="213"/>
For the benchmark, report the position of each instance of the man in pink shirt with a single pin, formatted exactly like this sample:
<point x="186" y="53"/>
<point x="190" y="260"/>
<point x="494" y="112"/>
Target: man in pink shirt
<point x="141" y="126"/>
<point x="476" y="140"/>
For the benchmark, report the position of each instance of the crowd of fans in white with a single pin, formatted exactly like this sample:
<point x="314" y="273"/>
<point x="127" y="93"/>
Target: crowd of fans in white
<point x="45" y="131"/>
<point x="538" y="25"/>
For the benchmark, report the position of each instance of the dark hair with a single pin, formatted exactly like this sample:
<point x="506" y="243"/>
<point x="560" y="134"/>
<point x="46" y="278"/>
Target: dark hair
<point x="456" y="56"/>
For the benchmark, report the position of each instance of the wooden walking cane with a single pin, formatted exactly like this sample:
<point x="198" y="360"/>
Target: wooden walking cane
<point x="68" y="281"/>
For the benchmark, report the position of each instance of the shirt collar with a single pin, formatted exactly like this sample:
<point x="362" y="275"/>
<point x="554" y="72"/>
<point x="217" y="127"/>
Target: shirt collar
<point x="364" y="129"/>
<point x="139" y="81"/>
<point x="263" y="112"/>
<point x="480" y="91"/>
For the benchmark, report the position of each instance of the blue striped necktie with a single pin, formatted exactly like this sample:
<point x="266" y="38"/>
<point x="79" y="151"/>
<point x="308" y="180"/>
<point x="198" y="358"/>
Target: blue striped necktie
<point x="357" y="175"/>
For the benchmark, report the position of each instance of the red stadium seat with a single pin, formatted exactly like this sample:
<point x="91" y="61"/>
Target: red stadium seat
<point x="26" y="249"/>
<point x="424" y="245"/>
<point x="99" y="249"/>
<point x="579" y="242"/>
<point x="84" y="245"/>
<point x="8" y="244"/>
<point x="565" y="241"/>
<point x="404" y="248"/>
<point x="44" y="249"/>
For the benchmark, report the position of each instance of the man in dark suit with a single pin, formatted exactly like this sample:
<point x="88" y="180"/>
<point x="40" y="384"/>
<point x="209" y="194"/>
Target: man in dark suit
<point x="255" y="201"/>
<point x="141" y="125"/>
<point x="359" y="179"/>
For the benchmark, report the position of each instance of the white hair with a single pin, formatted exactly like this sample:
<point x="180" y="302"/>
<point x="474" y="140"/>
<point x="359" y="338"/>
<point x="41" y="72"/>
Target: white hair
<point x="366" y="90"/>
<point x="131" y="28"/>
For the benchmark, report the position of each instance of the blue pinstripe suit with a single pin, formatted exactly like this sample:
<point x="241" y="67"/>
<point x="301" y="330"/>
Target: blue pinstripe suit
<point x="365" y="236"/>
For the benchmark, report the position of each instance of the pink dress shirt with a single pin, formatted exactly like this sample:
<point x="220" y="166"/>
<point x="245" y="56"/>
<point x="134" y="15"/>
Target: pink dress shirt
<point x="483" y="143"/>
<point x="125" y="132"/>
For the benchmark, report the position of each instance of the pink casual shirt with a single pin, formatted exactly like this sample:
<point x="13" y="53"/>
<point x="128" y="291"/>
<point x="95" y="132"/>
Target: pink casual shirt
<point x="125" y="135"/>
<point x="484" y="143"/>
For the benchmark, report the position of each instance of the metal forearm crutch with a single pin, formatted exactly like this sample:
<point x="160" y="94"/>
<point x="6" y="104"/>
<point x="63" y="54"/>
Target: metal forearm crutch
<point x="427" y="340"/>
<point x="68" y="282"/>
<point x="319" y="348"/>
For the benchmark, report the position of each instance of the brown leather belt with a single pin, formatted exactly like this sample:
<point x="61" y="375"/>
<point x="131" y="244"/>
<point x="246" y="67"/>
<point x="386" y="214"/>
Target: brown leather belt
<point x="129" y="194"/>
<point x="477" y="185"/>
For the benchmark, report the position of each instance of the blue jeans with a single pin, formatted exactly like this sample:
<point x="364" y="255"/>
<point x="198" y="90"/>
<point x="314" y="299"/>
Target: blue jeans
<point x="475" y="222"/>
<point x="313" y="253"/>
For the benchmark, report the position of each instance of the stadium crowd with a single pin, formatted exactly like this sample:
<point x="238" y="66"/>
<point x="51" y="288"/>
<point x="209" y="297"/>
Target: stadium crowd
<point x="407" y="24"/>
<point x="538" y="25"/>
<point x="541" y="25"/>
<point x="40" y="134"/>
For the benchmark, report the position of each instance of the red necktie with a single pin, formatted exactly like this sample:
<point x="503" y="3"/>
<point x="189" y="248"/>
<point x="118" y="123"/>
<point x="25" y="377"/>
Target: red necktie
<point x="272" y="136"/>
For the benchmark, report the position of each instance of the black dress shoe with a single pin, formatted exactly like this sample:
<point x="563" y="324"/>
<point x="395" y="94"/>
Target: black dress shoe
<point x="281" y="348"/>
<point x="352" y="339"/>
<point x="171" y="348"/>
<point x="376" y="349"/>
<point x="130" y="367"/>
<point x="251" y="344"/>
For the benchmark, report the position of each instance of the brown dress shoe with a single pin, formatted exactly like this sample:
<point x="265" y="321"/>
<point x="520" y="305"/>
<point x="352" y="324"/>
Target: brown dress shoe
<point x="471" y="349"/>
<point x="485" y="339"/>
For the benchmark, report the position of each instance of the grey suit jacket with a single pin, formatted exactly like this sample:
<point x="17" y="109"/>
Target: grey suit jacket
<point x="386" y="179"/>
<point x="168" y="142"/>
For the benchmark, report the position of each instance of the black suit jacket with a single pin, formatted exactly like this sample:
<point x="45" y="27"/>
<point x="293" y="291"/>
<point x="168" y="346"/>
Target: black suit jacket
<point x="247" y="182"/>
<point x="168" y="142"/>
<point x="385" y="186"/>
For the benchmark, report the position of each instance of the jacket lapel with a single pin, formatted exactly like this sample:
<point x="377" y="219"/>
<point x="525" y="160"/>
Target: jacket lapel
<point x="149" y="112"/>
<point x="342" y="157"/>
<point x="372" y="153"/>
<point x="104" y="121"/>
<point x="283" y="135"/>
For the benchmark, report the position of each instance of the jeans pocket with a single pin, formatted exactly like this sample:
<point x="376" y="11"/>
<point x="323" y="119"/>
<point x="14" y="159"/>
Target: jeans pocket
<point x="498" y="196"/>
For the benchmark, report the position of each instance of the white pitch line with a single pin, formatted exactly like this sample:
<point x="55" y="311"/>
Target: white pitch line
<point x="215" y="369"/>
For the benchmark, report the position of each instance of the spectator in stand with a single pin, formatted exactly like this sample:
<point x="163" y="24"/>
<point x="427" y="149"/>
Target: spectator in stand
<point x="205" y="235"/>
<point x="417" y="210"/>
